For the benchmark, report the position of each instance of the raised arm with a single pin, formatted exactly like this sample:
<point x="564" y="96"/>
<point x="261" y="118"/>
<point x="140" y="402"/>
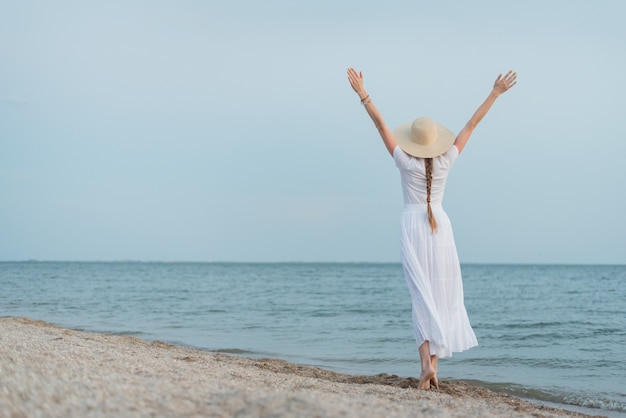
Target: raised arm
<point x="356" y="81"/>
<point x="501" y="85"/>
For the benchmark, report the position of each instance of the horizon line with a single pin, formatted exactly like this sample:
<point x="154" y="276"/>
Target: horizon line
<point x="138" y="261"/>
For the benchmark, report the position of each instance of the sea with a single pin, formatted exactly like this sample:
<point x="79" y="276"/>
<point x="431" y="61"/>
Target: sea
<point x="552" y="334"/>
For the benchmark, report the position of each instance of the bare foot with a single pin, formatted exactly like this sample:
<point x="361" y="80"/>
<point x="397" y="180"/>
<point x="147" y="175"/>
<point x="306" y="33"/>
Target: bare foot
<point x="426" y="378"/>
<point x="434" y="382"/>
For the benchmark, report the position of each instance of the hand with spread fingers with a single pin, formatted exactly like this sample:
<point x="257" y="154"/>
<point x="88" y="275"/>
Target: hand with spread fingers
<point x="502" y="84"/>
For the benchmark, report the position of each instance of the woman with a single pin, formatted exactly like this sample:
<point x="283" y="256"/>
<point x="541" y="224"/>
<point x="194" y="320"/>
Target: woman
<point x="424" y="152"/>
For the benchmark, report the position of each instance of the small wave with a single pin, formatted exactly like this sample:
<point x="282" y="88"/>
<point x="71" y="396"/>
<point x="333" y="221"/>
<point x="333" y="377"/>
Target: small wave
<point x="363" y="310"/>
<point x="533" y="394"/>
<point x="596" y="403"/>
<point x="324" y="314"/>
<point x="236" y="351"/>
<point x="533" y="325"/>
<point x="137" y="334"/>
<point x="355" y="361"/>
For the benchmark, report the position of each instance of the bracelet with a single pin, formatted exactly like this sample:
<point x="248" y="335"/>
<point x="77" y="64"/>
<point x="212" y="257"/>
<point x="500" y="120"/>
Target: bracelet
<point x="366" y="101"/>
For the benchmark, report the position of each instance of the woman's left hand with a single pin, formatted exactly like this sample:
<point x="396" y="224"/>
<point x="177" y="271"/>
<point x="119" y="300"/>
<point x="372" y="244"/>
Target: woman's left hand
<point x="356" y="81"/>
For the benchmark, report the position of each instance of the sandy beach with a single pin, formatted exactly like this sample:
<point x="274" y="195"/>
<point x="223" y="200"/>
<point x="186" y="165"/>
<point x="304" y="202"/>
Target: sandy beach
<point x="50" y="371"/>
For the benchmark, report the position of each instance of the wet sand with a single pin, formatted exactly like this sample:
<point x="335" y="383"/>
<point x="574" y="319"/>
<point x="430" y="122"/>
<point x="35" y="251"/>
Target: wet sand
<point x="47" y="371"/>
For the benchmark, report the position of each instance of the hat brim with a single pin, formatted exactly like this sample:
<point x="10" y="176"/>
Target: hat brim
<point x="444" y="141"/>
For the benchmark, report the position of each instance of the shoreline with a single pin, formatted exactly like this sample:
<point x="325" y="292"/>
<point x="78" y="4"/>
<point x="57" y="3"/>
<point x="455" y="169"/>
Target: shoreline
<point x="54" y="371"/>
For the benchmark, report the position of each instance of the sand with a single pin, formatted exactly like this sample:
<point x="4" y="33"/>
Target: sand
<point x="50" y="371"/>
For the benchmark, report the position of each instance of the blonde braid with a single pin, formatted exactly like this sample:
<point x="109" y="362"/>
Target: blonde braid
<point x="429" y="182"/>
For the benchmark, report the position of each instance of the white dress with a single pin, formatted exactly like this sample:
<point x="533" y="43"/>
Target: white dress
<point x="430" y="261"/>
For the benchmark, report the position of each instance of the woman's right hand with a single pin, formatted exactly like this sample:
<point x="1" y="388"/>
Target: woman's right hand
<point x="356" y="81"/>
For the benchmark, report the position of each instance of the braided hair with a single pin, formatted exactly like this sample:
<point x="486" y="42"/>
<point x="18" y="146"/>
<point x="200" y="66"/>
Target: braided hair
<point x="429" y="182"/>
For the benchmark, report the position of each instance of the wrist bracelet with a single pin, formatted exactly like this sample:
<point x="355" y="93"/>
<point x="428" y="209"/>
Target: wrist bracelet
<point x="366" y="100"/>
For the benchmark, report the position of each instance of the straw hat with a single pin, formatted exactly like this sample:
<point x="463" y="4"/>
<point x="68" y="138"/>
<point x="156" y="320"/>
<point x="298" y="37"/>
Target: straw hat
<point x="424" y="138"/>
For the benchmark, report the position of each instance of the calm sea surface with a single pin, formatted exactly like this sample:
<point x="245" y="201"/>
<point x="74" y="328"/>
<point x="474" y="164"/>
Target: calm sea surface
<point x="548" y="332"/>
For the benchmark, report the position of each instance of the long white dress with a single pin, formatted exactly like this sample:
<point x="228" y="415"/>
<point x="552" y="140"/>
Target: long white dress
<point x="430" y="261"/>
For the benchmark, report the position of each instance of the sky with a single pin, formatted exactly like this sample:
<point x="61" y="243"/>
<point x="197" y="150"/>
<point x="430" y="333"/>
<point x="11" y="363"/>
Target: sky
<point x="227" y="130"/>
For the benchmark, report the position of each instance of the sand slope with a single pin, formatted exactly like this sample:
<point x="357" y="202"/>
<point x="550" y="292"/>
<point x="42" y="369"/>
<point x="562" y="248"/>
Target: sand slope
<point x="50" y="371"/>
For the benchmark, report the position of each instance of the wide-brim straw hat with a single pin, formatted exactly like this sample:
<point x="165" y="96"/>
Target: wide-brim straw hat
<point x="424" y="138"/>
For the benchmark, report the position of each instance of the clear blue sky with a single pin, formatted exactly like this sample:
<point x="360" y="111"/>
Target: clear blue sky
<point x="227" y="131"/>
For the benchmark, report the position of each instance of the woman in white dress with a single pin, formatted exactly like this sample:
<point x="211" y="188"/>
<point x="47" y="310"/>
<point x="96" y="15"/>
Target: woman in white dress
<point x="424" y="152"/>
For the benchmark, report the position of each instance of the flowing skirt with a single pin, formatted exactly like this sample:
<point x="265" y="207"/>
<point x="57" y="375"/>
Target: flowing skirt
<point x="433" y="276"/>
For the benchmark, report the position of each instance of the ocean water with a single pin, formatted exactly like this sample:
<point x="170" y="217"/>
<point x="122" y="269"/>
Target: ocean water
<point x="550" y="333"/>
